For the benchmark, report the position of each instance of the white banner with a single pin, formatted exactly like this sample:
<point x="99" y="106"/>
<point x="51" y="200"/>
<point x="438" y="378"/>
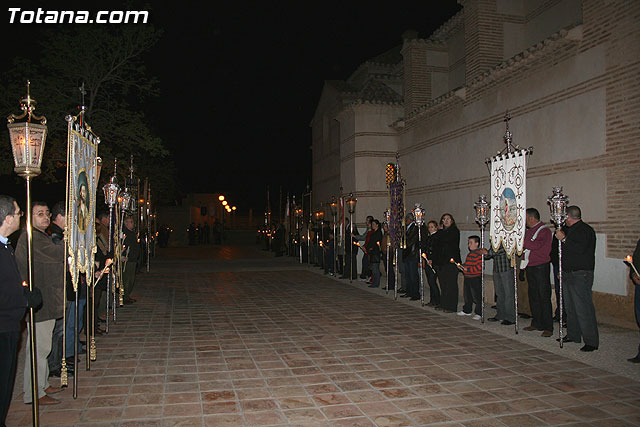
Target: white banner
<point x="508" y="201"/>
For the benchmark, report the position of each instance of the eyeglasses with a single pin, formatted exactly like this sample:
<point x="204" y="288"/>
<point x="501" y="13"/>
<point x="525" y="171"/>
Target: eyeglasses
<point x="43" y="214"/>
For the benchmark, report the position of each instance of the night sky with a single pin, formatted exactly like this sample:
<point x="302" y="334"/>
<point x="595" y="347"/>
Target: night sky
<point x="240" y="83"/>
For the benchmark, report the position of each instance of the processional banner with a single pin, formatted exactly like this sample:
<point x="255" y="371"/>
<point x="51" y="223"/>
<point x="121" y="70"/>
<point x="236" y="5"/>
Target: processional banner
<point x="509" y="201"/>
<point x="81" y="195"/>
<point x="396" y="194"/>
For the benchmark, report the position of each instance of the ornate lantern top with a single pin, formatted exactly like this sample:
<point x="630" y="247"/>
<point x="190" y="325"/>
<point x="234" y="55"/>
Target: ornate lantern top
<point x="482" y="210"/>
<point x="387" y="215"/>
<point x="112" y="189"/>
<point x="351" y="203"/>
<point x="27" y="139"/>
<point x="558" y="203"/>
<point x="418" y="214"/>
<point x="334" y="206"/>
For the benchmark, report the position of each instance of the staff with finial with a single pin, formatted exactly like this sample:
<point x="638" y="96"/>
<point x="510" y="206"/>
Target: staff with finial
<point x="482" y="218"/>
<point x="111" y="192"/>
<point x="418" y="214"/>
<point x="558" y="203"/>
<point x="27" y="142"/>
<point x="351" y="206"/>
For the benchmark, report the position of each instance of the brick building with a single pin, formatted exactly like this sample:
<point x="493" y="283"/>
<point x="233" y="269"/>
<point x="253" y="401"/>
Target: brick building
<point x="568" y="72"/>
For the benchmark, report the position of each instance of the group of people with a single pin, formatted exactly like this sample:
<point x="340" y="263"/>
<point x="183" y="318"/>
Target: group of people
<point x="47" y="294"/>
<point x="201" y="234"/>
<point x="439" y="245"/>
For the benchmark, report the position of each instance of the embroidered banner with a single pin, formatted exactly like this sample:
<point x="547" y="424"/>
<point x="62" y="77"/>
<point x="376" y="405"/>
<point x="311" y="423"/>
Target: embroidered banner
<point x="81" y="198"/>
<point x="509" y="201"/>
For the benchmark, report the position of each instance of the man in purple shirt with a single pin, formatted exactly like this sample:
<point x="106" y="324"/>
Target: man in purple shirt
<point x="537" y="245"/>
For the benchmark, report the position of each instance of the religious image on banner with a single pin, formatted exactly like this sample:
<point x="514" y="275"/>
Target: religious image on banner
<point x="81" y="193"/>
<point x="509" y="201"/>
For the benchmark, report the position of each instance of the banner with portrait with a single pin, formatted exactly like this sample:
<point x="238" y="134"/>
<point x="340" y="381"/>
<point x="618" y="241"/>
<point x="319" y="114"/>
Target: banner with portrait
<point x="81" y="198"/>
<point x="508" y="201"/>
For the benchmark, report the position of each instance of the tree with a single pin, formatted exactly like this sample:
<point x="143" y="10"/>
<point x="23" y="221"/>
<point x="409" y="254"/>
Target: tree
<point x="108" y="62"/>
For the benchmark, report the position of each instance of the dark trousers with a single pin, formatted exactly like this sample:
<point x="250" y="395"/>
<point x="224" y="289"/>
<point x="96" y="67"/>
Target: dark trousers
<point x="411" y="270"/>
<point x="375" y="274"/>
<point x="351" y="267"/>
<point x="366" y="270"/>
<point x="581" y="314"/>
<point x="448" y="276"/>
<point x="8" y="358"/>
<point x="434" y="290"/>
<point x="556" y="286"/>
<point x="540" y="296"/>
<point x="472" y="292"/>
<point x="329" y="262"/>
<point x="55" y="357"/>
<point x="636" y="301"/>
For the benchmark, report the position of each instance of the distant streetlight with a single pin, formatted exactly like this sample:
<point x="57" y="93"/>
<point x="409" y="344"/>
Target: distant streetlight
<point x="233" y="208"/>
<point x="224" y="203"/>
<point x="221" y="197"/>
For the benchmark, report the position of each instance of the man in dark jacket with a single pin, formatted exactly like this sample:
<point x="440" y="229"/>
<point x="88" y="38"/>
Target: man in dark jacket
<point x="635" y="278"/>
<point x="132" y="251"/>
<point x="578" y="262"/>
<point x="14" y="299"/>
<point x="48" y="276"/>
<point x="410" y="257"/>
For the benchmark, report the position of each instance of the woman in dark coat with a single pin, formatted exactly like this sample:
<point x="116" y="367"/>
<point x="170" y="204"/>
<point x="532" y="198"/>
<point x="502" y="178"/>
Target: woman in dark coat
<point x="446" y="245"/>
<point x="373" y="250"/>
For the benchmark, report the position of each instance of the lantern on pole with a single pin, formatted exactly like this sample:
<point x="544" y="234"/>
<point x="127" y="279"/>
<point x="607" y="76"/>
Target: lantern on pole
<point x="558" y="203"/>
<point x="418" y="214"/>
<point x="482" y="218"/>
<point x="27" y="144"/>
<point x="111" y="192"/>
<point x="333" y="205"/>
<point x="351" y="207"/>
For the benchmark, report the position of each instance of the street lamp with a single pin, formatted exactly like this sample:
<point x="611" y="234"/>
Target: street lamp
<point x="351" y="207"/>
<point x="333" y="205"/>
<point x="482" y="218"/>
<point x="27" y="143"/>
<point x="558" y="203"/>
<point x="387" y="219"/>
<point x="221" y="197"/>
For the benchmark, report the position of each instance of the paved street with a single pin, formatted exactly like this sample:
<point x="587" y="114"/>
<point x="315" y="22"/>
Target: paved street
<point x="232" y="336"/>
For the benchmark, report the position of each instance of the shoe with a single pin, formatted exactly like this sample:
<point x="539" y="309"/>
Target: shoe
<point x="55" y="373"/>
<point x="565" y="339"/>
<point x="530" y="328"/>
<point x="404" y="296"/>
<point x="462" y="313"/>
<point x="53" y="390"/>
<point x="492" y="319"/>
<point x="634" y="359"/>
<point x="506" y="322"/>
<point x="546" y="334"/>
<point x="414" y="298"/>
<point x="372" y="286"/>
<point x="588" y="347"/>
<point x="476" y="317"/>
<point x="48" y="400"/>
<point x="362" y="279"/>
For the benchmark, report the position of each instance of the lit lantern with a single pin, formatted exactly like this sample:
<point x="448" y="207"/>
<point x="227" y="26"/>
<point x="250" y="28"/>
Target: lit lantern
<point x="418" y="214"/>
<point x="482" y="210"/>
<point x="351" y="203"/>
<point x="558" y="203"/>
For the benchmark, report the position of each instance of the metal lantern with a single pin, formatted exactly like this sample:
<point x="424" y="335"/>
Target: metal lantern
<point x="320" y="214"/>
<point x="125" y="200"/>
<point x="111" y="191"/>
<point x="482" y="210"/>
<point x="558" y="203"/>
<point x="387" y="216"/>
<point x="351" y="203"/>
<point x="27" y="143"/>
<point x="334" y="206"/>
<point x="27" y="139"/>
<point x="418" y="213"/>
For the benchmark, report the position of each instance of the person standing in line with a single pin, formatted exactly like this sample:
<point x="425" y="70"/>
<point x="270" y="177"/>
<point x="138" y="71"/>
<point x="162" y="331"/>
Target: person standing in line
<point x="446" y="246"/>
<point x="472" y="271"/>
<point x="537" y="262"/>
<point x="373" y="250"/>
<point x="635" y="278"/>
<point x="578" y="263"/>
<point x="410" y="258"/>
<point x="503" y="285"/>
<point x="132" y="251"/>
<point x="48" y="276"/>
<point x="14" y="299"/>
<point x="427" y="253"/>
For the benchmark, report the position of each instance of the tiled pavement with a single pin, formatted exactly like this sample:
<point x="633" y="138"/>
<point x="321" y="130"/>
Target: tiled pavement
<point x="277" y="345"/>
